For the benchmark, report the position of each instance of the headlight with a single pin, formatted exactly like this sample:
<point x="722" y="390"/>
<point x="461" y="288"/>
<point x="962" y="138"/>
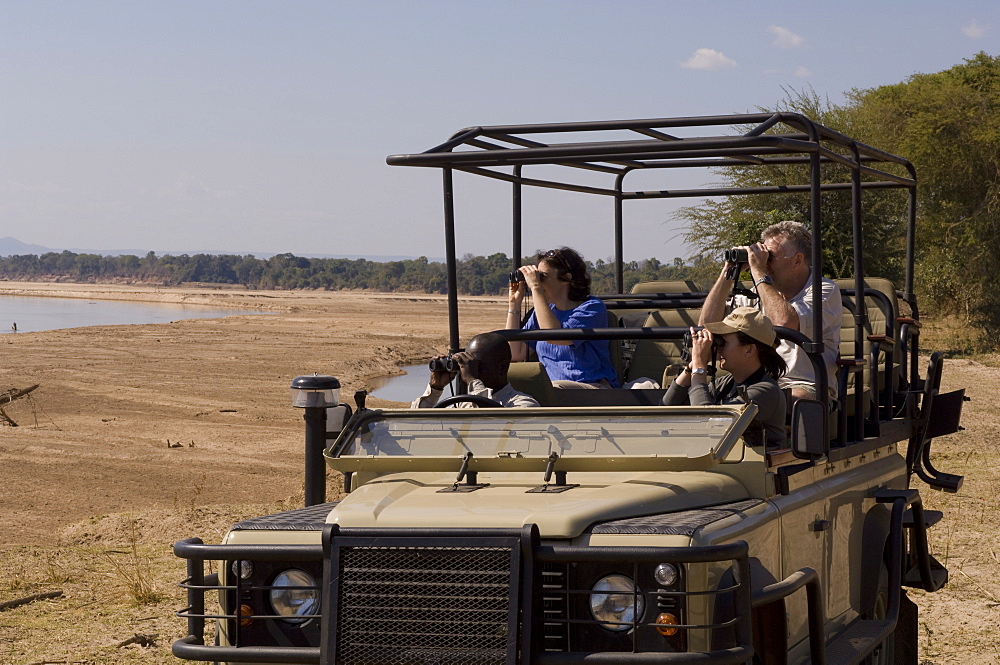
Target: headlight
<point x="242" y="568"/>
<point x="615" y="602"/>
<point x="294" y="603"/>
<point x="665" y="574"/>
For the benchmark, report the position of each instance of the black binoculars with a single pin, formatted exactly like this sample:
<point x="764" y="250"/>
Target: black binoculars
<point x="445" y="364"/>
<point x="717" y="340"/>
<point x="516" y="276"/>
<point x="735" y="255"/>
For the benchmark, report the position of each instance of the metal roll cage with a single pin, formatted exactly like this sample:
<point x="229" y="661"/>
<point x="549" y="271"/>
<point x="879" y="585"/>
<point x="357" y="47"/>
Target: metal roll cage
<point x="503" y="152"/>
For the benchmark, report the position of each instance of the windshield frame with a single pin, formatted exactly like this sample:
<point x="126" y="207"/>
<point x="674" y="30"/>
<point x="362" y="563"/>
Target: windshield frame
<point x="725" y="449"/>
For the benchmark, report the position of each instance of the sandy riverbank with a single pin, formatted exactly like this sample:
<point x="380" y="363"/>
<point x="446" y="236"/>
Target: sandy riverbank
<point x="214" y="296"/>
<point x="111" y="397"/>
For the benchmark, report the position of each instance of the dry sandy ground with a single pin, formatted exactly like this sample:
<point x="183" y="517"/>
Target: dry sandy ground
<point x="92" y="493"/>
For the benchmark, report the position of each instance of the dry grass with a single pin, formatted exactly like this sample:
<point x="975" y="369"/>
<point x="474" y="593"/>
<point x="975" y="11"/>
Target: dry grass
<point x="961" y="623"/>
<point x="118" y="578"/>
<point x="132" y="570"/>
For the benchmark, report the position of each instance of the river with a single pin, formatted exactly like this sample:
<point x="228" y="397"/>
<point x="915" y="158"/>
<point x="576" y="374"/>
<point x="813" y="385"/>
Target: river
<point x="32" y="314"/>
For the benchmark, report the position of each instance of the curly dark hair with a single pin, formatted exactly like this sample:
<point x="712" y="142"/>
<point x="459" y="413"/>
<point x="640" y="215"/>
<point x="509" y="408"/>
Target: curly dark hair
<point x="567" y="261"/>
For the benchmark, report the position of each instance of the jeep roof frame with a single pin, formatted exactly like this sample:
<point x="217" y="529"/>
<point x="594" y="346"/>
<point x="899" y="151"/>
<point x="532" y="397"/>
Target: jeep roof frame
<point x="503" y="151"/>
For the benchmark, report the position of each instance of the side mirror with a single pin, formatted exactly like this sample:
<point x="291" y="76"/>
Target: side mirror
<point x="809" y="429"/>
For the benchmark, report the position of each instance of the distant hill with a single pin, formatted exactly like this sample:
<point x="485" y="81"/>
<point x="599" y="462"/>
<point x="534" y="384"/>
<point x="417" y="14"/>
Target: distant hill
<point x="12" y="247"/>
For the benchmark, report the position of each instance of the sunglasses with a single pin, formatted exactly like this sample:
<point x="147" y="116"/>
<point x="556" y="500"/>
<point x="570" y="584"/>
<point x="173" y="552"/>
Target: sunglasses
<point x="557" y="255"/>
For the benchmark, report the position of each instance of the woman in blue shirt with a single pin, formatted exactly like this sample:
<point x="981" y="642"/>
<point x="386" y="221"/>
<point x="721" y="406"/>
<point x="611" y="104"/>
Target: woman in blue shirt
<point x="560" y="290"/>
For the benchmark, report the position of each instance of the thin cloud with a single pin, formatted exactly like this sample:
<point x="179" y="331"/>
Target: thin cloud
<point x="785" y="38"/>
<point x="709" y="60"/>
<point x="975" y="30"/>
<point x="802" y="72"/>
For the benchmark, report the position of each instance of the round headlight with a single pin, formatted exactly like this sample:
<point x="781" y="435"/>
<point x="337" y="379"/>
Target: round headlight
<point x="291" y="599"/>
<point x="665" y="574"/>
<point x="615" y="602"/>
<point x="242" y="568"/>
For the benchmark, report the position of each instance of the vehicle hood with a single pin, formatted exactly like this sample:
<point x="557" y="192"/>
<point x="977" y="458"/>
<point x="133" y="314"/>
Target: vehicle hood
<point x="415" y="500"/>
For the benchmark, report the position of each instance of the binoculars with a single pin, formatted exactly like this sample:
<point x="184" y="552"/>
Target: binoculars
<point x="446" y="364"/>
<point x="516" y="276"/>
<point x="717" y="340"/>
<point x="735" y="255"/>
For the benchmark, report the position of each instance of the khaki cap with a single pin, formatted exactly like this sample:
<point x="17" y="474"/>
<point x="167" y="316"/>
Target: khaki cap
<point x="749" y="320"/>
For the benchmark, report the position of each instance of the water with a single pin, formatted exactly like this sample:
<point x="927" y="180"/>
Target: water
<point x="405" y="388"/>
<point x="33" y="314"/>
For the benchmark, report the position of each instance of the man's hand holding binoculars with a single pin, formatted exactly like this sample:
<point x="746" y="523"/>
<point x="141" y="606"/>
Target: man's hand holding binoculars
<point x="755" y="256"/>
<point x="444" y="368"/>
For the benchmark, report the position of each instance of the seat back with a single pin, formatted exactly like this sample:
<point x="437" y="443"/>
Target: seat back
<point x="847" y="336"/>
<point x="616" y="347"/>
<point x="531" y="378"/>
<point x="660" y="358"/>
<point x="883" y="316"/>
<point x="668" y="286"/>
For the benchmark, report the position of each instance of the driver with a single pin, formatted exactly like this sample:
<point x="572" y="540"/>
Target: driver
<point x="483" y="366"/>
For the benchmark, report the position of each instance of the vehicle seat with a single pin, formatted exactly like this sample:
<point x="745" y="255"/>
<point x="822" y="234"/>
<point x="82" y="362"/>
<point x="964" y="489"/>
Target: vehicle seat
<point x="849" y="376"/>
<point x="668" y="286"/>
<point x="616" y="346"/>
<point x="661" y="358"/>
<point x="883" y="334"/>
<point x="531" y="378"/>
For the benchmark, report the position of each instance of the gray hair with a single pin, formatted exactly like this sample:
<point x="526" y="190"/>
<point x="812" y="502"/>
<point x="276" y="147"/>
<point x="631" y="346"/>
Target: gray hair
<point x="796" y="234"/>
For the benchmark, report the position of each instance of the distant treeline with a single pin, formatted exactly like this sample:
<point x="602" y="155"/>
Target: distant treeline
<point x="477" y="275"/>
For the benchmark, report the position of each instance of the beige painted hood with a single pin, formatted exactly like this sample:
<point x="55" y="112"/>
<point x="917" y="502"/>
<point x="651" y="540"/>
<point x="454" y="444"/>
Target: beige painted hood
<point x="413" y="500"/>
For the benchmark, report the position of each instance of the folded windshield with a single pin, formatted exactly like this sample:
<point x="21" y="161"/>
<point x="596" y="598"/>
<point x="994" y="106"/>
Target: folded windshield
<point x="677" y="433"/>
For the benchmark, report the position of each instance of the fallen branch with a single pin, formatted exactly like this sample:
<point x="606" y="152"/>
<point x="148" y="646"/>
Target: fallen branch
<point x="11" y="604"/>
<point x="14" y="393"/>
<point x="8" y="419"/>
<point x="9" y="396"/>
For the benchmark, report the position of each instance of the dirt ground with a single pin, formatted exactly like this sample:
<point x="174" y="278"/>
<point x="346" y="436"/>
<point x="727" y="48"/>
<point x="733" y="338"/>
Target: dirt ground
<point x="145" y="434"/>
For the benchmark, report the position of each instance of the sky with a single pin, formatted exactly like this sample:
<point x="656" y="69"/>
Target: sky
<point x="254" y="126"/>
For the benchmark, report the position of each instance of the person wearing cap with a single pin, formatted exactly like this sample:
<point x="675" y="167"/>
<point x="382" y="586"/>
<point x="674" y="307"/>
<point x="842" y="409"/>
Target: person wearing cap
<point x="746" y="349"/>
<point x="483" y="367"/>
<point x="781" y="268"/>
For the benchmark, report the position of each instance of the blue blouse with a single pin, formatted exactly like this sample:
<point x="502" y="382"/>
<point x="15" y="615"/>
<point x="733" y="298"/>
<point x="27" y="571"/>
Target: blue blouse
<point x="589" y="360"/>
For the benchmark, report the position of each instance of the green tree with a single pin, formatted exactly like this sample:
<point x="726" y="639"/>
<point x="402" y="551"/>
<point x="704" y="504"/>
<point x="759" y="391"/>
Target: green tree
<point x="721" y="223"/>
<point x="948" y="125"/>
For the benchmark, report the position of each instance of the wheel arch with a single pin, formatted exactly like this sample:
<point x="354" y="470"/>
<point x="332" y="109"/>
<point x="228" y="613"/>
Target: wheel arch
<point x="874" y="540"/>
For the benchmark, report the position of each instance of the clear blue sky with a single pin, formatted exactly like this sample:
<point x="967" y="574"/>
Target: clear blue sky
<point x="256" y="126"/>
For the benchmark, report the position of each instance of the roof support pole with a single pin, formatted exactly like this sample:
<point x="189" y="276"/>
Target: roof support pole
<point x="516" y="203"/>
<point x="449" y="245"/>
<point x="619" y="244"/>
<point x="860" y="304"/>
<point x="911" y="232"/>
<point x="815" y="214"/>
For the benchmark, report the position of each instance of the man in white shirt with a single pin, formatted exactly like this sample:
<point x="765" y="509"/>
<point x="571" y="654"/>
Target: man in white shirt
<point x="780" y="265"/>
<point x="483" y="366"/>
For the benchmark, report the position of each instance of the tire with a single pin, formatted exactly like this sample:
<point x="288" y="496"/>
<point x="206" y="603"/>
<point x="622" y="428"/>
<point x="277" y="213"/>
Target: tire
<point x="884" y="653"/>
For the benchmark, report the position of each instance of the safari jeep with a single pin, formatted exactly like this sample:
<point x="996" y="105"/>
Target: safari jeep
<point x="602" y="527"/>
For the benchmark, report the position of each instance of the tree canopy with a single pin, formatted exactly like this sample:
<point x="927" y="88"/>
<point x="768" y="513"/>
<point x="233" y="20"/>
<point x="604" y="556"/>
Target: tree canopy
<point x="948" y="125"/>
<point x="477" y="275"/>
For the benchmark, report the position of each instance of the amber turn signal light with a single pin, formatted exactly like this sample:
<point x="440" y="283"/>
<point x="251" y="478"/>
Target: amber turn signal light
<point x="666" y="624"/>
<point x="246" y="615"/>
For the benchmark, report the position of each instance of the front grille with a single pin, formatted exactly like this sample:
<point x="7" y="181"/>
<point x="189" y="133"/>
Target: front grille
<point x="555" y="608"/>
<point x="420" y="605"/>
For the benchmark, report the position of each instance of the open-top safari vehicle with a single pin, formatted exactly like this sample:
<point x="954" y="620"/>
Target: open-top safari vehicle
<point x="602" y="527"/>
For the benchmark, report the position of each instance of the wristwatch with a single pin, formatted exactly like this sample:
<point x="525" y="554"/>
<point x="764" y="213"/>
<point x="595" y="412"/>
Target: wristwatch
<point x="766" y="279"/>
<point x="699" y="370"/>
